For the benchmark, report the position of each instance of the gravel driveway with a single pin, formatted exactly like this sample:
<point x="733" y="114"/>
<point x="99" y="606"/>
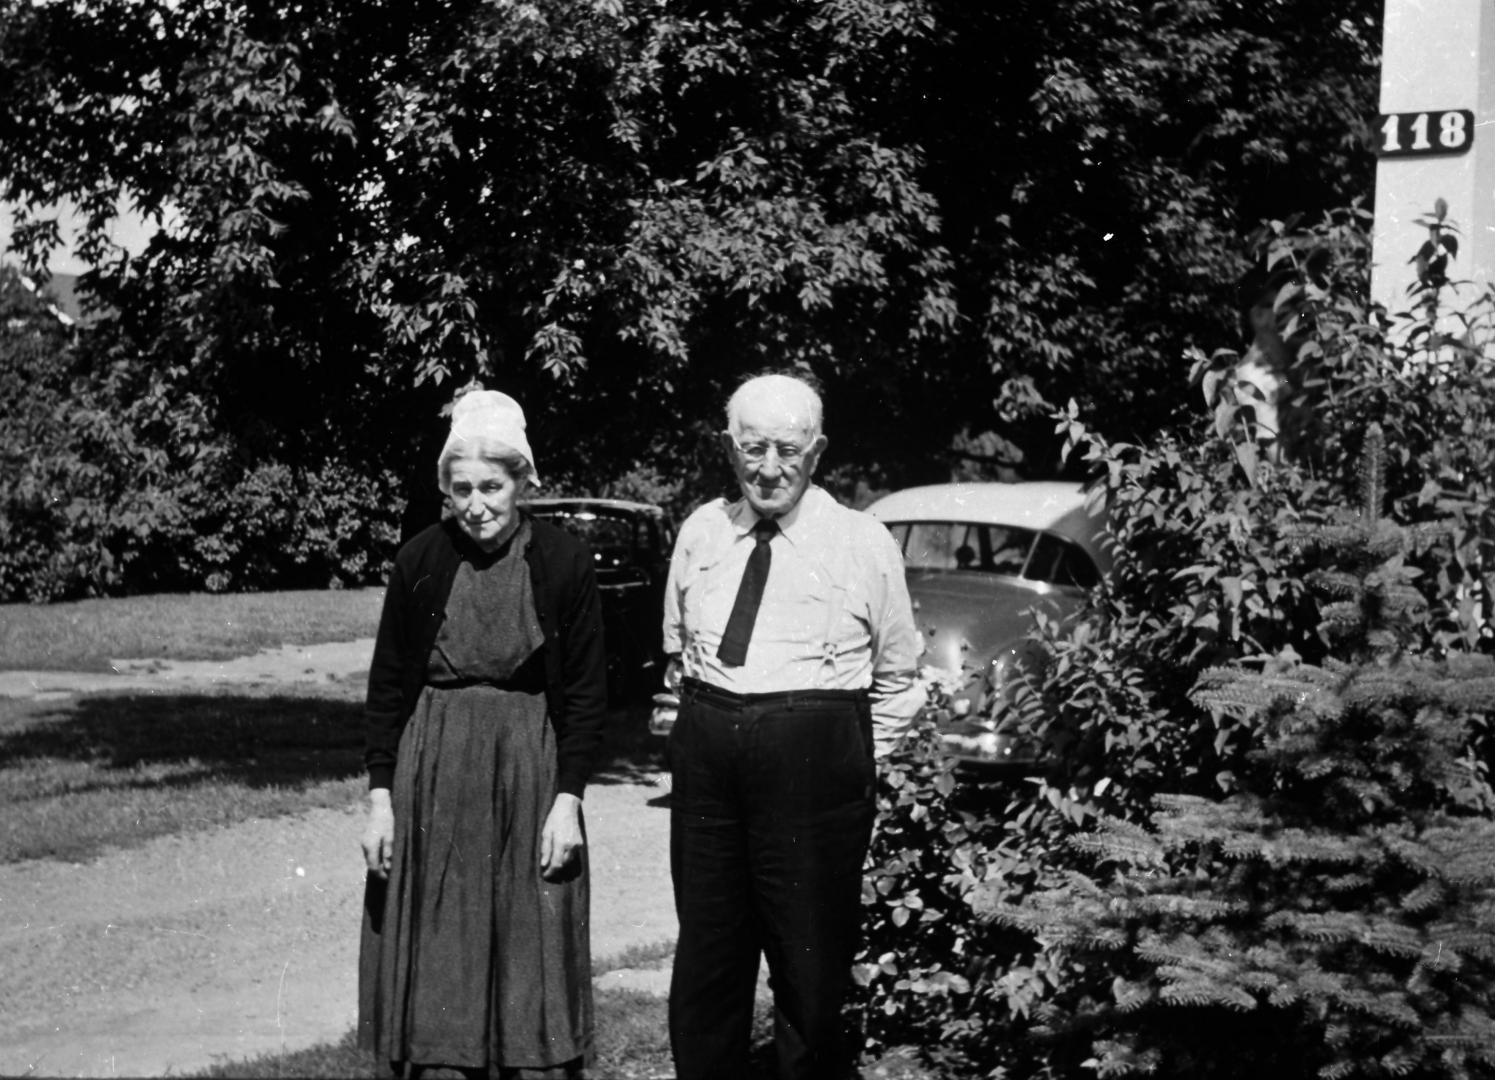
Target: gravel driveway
<point x="241" y="940"/>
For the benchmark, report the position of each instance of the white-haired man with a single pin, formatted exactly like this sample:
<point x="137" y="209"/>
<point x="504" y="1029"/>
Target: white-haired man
<point x="794" y="648"/>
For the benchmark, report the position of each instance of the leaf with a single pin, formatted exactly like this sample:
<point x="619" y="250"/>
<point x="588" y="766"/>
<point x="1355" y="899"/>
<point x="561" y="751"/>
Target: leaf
<point x="1246" y="454"/>
<point x="941" y="982"/>
<point x="1211" y="385"/>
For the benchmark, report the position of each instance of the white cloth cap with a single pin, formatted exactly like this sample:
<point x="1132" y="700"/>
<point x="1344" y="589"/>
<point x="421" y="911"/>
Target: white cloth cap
<point x="488" y="417"/>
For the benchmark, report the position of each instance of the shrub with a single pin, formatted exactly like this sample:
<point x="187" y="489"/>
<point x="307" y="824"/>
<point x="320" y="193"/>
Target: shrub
<point x="1333" y="915"/>
<point x="1130" y="827"/>
<point x="115" y="482"/>
<point x="914" y="967"/>
<point x="925" y="949"/>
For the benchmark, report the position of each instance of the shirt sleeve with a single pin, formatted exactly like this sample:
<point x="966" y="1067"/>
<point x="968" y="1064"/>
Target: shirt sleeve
<point x="896" y="694"/>
<point x="696" y="538"/>
<point x="674" y="595"/>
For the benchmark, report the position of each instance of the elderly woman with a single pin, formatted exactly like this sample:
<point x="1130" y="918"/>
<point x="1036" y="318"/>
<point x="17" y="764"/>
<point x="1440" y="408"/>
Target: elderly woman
<point x="485" y="705"/>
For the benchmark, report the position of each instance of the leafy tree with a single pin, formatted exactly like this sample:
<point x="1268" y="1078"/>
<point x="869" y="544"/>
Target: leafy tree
<point x="952" y="213"/>
<point x="114" y="483"/>
<point x="36" y="358"/>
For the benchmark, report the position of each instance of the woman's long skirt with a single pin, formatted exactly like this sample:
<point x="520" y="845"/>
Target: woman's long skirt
<point x="470" y="958"/>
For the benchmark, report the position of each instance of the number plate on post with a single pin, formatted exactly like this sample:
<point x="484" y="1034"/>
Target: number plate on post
<point x="1408" y="134"/>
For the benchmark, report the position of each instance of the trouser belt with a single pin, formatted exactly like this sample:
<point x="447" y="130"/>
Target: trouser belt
<point x="729" y="699"/>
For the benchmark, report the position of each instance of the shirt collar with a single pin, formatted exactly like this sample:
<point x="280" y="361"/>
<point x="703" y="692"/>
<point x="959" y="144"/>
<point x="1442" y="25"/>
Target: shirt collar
<point x="797" y="525"/>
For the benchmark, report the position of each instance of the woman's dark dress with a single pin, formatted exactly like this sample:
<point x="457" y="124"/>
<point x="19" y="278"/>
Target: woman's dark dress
<point x="479" y="962"/>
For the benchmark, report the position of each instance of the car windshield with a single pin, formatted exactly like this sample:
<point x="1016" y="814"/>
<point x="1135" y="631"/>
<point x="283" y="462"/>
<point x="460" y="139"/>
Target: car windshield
<point x="598" y="530"/>
<point x="617" y="540"/>
<point x="993" y="549"/>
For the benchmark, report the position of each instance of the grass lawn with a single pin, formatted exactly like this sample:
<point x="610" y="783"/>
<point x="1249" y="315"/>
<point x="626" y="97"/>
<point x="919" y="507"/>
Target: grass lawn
<point x="83" y="775"/>
<point x="86" y="774"/>
<point x="632" y="1042"/>
<point x="632" y="1038"/>
<point x="85" y="635"/>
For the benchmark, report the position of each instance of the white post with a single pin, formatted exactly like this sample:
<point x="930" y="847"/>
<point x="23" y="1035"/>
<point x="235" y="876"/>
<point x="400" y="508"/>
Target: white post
<point x="1436" y="140"/>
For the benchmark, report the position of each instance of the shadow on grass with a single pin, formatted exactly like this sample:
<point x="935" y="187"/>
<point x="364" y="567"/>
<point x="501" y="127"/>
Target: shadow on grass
<point x="257" y="740"/>
<point x="629" y="754"/>
<point x="93" y="772"/>
<point x="260" y="741"/>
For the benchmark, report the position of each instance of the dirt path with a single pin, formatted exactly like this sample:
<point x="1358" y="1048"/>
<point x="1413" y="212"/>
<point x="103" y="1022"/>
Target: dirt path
<point x="241" y="940"/>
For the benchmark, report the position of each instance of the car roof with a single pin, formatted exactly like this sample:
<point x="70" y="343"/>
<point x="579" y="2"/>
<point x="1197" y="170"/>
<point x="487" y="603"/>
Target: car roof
<point x="593" y="504"/>
<point x="1055" y="506"/>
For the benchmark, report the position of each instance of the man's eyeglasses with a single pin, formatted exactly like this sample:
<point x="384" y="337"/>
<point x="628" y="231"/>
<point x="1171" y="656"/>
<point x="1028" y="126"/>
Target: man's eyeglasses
<point x="757" y="453"/>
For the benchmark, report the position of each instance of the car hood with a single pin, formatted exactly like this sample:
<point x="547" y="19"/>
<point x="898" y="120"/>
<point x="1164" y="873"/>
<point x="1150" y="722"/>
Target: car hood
<point x="966" y="618"/>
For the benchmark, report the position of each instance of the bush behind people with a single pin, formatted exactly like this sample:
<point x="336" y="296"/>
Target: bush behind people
<point x="1216" y="570"/>
<point x="114" y="485"/>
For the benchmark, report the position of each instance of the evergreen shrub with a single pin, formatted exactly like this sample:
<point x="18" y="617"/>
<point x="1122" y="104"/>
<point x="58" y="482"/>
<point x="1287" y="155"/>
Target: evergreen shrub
<point x="1195" y="886"/>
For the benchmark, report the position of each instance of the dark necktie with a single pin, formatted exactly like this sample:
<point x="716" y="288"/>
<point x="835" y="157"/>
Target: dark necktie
<point x="739" y="631"/>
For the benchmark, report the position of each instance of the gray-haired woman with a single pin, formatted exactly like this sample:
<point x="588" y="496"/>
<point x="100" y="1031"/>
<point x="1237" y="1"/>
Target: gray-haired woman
<point x="485" y="706"/>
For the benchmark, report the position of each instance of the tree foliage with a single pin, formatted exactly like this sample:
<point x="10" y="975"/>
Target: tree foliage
<point x="114" y="483"/>
<point x="1176" y="841"/>
<point x="952" y="213"/>
<point x="1343" y="894"/>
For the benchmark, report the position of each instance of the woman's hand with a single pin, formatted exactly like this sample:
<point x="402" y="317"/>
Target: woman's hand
<point x="561" y="840"/>
<point x="379" y="837"/>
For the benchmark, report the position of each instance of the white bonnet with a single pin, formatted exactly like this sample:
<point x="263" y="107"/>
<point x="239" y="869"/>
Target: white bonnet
<point x="486" y="417"/>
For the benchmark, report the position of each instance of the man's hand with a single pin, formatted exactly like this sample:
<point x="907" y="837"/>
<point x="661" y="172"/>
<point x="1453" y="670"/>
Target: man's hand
<point x="379" y="836"/>
<point x="561" y="840"/>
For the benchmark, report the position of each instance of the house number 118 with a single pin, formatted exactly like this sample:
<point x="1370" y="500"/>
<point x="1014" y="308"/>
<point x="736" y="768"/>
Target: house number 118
<point x="1447" y="132"/>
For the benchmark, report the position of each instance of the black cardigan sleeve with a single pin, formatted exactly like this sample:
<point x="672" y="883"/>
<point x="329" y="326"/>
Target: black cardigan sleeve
<point x="576" y="664"/>
<point x="384" y="708"/>
<point x="583" y="669"/>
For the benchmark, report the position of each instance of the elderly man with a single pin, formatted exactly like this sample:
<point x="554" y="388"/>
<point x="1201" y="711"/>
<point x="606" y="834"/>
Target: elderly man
<point x="793" y="647"/>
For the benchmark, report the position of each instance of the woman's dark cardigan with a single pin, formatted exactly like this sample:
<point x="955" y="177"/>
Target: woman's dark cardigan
<point x="570" y="612"/>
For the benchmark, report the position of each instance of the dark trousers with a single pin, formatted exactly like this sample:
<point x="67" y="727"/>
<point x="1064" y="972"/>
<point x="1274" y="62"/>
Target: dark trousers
<point x="771" y="810"/>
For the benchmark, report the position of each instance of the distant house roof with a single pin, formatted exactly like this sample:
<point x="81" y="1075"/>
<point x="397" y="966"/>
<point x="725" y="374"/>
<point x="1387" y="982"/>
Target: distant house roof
<point x="60" y="294"/>
<point x="62" y="289"/>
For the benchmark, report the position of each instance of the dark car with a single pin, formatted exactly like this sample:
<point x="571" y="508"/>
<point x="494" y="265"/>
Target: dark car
<point x="631" y="544"/>
<point x="980" y="558"/>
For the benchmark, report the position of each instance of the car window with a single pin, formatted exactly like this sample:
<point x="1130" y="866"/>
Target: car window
<point x="963" y="545"/>
<point x="930" y="546"/>
<point x="1005" y="550"/>
<point x="610" y="538"/>
<point x="1062" y="562"/>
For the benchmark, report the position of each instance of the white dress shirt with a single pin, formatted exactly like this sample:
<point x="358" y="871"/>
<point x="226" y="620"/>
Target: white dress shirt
<point x="835" y="613"/>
